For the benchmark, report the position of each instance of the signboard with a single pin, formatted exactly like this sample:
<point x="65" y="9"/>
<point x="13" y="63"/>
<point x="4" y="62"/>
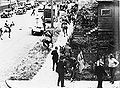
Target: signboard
<point x="104" y="0"/>
<point x="106" y="12"/>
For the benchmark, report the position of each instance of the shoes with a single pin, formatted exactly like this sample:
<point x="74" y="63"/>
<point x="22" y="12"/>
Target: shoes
<point x="112" y="82"/>
<point x="62" y="86"/>
<point x="72" y="80"/>
<point x="57" y="84"/>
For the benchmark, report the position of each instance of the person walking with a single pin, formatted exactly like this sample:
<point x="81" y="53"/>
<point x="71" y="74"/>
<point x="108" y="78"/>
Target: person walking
<point x="60" y="69"/>
<point x="54" y="57"/>
<point x="33" y="12"/>
<point x="81" y="61"/>
<point x="112" y="64"/>
<point x="64" y="28"/>
<point x="100" y="72"/>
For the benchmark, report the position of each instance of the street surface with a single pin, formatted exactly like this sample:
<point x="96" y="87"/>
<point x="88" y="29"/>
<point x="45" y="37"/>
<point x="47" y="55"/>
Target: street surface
<point x="14" y="48"/>
<point x="46" y="78"/>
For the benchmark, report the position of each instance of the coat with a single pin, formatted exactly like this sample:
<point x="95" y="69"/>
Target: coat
<point x="55" y="55"/>
<point x="60" y="68"/>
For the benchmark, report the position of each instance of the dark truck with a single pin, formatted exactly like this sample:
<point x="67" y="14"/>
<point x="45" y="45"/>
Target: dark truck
<point x="47" y="15"/>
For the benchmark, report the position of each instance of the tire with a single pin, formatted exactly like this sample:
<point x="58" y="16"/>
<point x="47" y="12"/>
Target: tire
<point x="32" y="32"/>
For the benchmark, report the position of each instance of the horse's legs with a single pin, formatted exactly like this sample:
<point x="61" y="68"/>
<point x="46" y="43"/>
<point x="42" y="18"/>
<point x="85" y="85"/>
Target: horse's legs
<point x="9" y="34"/>
<point x="0" y="36"/>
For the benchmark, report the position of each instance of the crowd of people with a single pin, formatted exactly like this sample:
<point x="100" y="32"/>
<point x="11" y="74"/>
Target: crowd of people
<point x="63" y="64"/>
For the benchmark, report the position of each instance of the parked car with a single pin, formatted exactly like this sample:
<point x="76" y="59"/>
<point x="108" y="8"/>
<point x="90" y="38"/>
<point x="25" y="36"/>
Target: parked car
<point x="28" y="6"/>
<point x="37" y="30"/>
<point x="7" y="13"/>
<point x="20" y="11"/>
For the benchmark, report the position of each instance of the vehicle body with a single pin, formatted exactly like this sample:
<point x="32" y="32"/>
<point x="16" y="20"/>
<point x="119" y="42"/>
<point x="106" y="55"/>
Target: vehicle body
<point x="47" y="15"/>
<point x="7" y="13"/>
<point x="37" y="30"/>
<point x="20" y="11"/>
<point x="28" y="6"/>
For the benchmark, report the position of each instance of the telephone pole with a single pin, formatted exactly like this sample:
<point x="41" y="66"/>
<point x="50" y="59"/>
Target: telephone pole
<point x="52" y="20"/>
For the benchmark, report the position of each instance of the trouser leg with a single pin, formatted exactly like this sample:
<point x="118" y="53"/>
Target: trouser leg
<point x="53" y="65"/>
<point x="62" y="80"/>
<point x="112" y="72"/>
<point x="58" y="79"/>
<point x="99" y="77"/>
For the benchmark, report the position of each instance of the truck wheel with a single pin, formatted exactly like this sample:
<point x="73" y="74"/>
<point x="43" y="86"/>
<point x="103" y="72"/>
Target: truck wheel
<point x="32" y="32"/>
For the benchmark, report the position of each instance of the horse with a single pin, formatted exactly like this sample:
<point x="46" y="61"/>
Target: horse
<point x="9" y="28"/>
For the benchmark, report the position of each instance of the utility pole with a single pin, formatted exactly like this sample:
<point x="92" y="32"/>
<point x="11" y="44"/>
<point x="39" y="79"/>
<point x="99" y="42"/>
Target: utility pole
<point x="52" y="20"/>
<point x="44" y="19"/>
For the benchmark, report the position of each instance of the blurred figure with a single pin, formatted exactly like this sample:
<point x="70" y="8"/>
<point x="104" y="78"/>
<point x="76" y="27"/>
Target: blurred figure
<point x="74" y="65"/>
<point x="1" y="31"/>
<point x="64" y="28"/>
<point x="80" y="61"/>
<point x="112" y="64"/>
<point x="54" y="57"/>
<point x="60" y="69"/>
<point x="100" y="72"/>
<point x="33" y="12"/>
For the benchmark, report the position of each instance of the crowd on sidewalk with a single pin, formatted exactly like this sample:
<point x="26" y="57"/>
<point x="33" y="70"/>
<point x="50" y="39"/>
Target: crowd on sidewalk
<point x="66" y="59"/>
<point x="61" y="63"/>
<point x="65" y="62"/>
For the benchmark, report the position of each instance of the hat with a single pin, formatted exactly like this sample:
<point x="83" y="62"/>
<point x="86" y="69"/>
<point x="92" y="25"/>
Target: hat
<point x="56" y="47"/>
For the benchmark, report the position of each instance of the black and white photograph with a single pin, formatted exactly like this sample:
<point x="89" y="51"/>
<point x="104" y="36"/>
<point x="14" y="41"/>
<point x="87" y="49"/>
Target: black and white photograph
<point x="59" y="43"/>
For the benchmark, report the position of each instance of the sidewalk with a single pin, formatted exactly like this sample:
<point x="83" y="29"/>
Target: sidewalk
<point x="46" y="78"/>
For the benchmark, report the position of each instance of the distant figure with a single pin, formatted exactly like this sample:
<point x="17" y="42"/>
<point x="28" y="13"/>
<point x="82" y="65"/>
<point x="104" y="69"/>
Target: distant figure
<point x="60" y="69"/>
<point x="80" y="61"/>
<point x="112" y="64"/>
<point x="33" y="12"/>
<point x="54" y="57"/>
<point x="64" y="28"/>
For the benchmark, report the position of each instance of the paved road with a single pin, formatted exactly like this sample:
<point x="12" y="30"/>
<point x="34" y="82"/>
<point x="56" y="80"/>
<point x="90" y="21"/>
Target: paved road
<point x="12" y="49"/>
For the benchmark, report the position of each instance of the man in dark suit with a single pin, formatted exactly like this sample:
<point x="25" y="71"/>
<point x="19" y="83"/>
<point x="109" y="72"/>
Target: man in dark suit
<point x="55" y="57"/>
<point x="60" y="69"/>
